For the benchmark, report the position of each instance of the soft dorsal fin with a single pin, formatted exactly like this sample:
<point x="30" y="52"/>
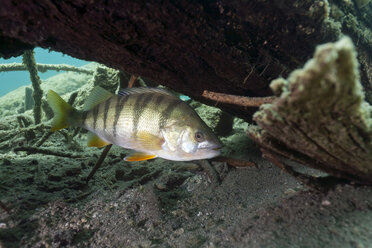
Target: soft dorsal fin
<point x="141" y="90"/>
<point x="97" y="96"/>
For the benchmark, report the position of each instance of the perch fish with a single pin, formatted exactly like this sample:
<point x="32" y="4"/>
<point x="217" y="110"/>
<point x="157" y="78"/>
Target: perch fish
<point x="151" y="121"/>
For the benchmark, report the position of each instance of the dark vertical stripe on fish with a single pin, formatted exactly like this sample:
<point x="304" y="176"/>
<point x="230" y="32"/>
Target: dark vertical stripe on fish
<point x="167" y="112"/>
<point x="139" y="107"/>
<point x="95" y="116"/>
<point x="106" y="110"/>
<point x="120" y="102"/>
<point x="158" y="100"/>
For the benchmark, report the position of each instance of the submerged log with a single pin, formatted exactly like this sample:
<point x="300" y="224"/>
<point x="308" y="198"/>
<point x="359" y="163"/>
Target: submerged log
<point x="234" y="47"/>
<point x="320" y="118"/>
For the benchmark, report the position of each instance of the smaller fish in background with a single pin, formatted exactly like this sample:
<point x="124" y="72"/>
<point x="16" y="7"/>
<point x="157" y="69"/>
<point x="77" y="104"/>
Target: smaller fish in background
<point x="151" y="121"/>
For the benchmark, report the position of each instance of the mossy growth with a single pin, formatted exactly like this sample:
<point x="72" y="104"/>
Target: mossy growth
<point x="29" y="62"/>
<point x="320" y="117"/>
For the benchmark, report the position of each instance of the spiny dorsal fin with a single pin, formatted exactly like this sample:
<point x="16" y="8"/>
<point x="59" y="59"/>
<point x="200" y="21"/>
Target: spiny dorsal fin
<point x="97" y="96"/>
<point x="141" y="90"/>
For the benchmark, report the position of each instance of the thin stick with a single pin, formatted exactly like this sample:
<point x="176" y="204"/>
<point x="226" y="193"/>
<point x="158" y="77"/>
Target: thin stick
<point x="234" y="162"/>
<point x="133" y="78"/>
<point x="43" y="139"/>
<point x="238" y="100"/>
<point x="99" y="162"/>
<point x="34" y="150"/>
<point x="22" y="121"/>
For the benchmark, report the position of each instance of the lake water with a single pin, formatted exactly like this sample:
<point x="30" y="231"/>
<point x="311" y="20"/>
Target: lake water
<point x="12" y="80"/>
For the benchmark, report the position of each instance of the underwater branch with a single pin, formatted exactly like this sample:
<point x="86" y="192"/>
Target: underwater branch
<point x="238" y="163"/>
<point x="43" y="68"/>
<point x="29" y="62"/>
<point x="33" y="150"/>
<point x="237" y="100"/>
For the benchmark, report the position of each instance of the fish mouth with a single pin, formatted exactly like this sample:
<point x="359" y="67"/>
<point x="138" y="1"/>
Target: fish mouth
<point x="216" y="147"/>
<point x="210" y="146"/>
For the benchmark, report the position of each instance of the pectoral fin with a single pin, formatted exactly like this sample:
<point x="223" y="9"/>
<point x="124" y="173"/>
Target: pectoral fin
<point x="149" y="141"/>
<point x="95" y="141"/>
<point x="139" y="156"/>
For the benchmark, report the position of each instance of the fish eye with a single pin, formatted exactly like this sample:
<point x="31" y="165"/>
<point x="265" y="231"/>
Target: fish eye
<point x="199" y="137"/>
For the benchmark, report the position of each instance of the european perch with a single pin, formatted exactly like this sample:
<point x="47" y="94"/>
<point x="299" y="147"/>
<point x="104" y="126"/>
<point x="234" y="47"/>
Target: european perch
<point x="151" y="121"/>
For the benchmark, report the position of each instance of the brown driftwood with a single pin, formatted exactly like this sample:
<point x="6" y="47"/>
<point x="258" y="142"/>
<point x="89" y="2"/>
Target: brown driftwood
<point x="320" y="118"/>
<point x="237" y="100"/>
<point x="234" y="162"/>
<point x="132" y="80"/>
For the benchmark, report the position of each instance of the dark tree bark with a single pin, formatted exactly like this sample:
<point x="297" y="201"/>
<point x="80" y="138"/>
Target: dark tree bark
<point x="229" y="46"/>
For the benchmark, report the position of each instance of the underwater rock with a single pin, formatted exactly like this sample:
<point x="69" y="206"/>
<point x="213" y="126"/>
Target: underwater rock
<point x="320" y="117"/>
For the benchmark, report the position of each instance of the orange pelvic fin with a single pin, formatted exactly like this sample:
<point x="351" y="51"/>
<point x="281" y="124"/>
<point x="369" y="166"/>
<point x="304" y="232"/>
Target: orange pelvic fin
<point x="139" y="156"/>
